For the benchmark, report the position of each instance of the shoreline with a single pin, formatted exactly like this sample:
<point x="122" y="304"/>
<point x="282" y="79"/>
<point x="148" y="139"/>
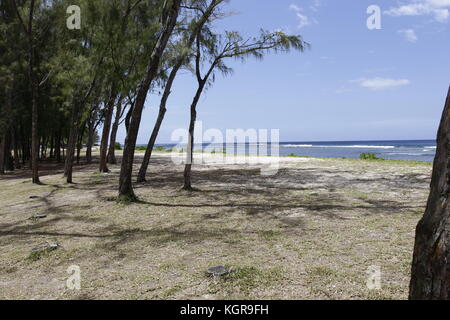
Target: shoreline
<point x="284" y="157"/>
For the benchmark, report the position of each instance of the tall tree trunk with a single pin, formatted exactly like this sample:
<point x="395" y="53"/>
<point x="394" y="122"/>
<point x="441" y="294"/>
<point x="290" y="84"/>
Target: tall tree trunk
<point x="73" y="135"/>
<point x="15" y="149"/>
<point x="34" y="86"/>
<point x="90" y="142"/>
<point x="162" y="108"/>
<point x="58" y="146"/>
<point x="2" y="153"/>
<point x="9" y="161"/>
<point x="103" y="167"/>
<point x="162" y="111"/>
<point x="128" y="117"/>
<point x="169" y="19"/>
<point x="43" y="147"/>
<point x="190" y="148"/>
<point x="52" y="146"/>
<point x="80" y="142"/>
<point x="150" y="146"/>
<point x="112" y="142"/>
<point x="430" y="275"/>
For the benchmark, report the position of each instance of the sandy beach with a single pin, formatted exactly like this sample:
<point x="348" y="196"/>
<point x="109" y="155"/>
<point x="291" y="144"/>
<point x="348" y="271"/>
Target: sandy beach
<point x="311" y="231"/>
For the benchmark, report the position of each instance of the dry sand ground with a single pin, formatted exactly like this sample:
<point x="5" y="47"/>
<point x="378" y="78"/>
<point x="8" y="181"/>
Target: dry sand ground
<point x="309" y="232"/>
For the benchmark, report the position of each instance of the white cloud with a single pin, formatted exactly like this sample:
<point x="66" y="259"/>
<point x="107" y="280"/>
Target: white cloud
<point x="436" y="8"/>
<point x="342" y="90"/>
<point x="381" y="83"/>
<point x="440" y="3"/>
<point x="295" y="7"/>
<point x="409" y="35"/>
<point x="303" y="19"/>
<point x="315" y="6"/>
<point x="441" y="15"/>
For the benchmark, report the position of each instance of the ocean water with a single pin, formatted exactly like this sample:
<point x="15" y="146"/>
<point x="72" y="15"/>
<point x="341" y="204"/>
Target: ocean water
<point x="418" y="150"/>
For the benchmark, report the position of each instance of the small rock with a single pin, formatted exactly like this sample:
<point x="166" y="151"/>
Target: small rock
<point x="218" y="271"/>
<point x="46" y="247"/>
<point x="39" y="216"/>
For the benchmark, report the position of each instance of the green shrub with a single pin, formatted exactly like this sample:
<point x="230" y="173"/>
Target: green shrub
<point x="117" y="146"/>
<point x="369" y="156"/>
<point x="141" y="148"/>
<point x="159" y="149"/>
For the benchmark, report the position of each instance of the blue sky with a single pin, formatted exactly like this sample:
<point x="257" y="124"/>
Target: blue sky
<point x="353" y="84"/>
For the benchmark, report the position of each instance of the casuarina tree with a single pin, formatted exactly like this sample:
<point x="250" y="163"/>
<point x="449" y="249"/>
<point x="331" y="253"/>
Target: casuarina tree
<point x="211" y="52"/>
<point x="430" y="275"/>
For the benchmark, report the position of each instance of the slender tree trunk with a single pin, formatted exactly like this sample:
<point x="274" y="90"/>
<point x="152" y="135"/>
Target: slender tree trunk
<point x="24" y="153"/>
<point x="4" y="133"/>
<point x="190" y="147"/>
<point x="125" y="183"/>
<point x="2" y="153"/>
<point x="90" y="142"/>
<point x="52" y="146"/>
<point x="73" y="135"/>
<point x="34" y="100"/>
<point x="103" y="167"/>
<point x="15" y="149"/>
<point x="162" y="108"/>
<point x="162" y="111"/>
<point x="58" y="146"/>
<point x="150" y="146"/>
<point x="9" y="161"/>
<point x="43" y="142"/>
<point x="430" y="275"/>
<point x="128" y="118"/>
<point x="112" y="142"/>
<point x="80" y="142"/>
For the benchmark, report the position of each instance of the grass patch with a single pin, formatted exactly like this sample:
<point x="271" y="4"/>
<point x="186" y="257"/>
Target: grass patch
<point x="38" y="255"/>
<point x="159" y="149"/>
<point x="369" y="156"/>
<point x="172" y="291"/>
<point x="293" y="155"/>
<point x="248" y="278"/>
<point x="321" y="272"/>
<point x="269" y="234"/>
<point x="127" y="199"/>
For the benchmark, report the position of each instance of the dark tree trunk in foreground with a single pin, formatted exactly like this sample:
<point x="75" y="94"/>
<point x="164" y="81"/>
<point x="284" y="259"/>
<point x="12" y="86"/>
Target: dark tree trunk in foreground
<point x="169" y="19"/>
<point x="162" y="111"/>
<point x="430" y="276"/>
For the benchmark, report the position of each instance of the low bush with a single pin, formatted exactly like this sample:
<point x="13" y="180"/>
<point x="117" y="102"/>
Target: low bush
<point x="369" y="156"/>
